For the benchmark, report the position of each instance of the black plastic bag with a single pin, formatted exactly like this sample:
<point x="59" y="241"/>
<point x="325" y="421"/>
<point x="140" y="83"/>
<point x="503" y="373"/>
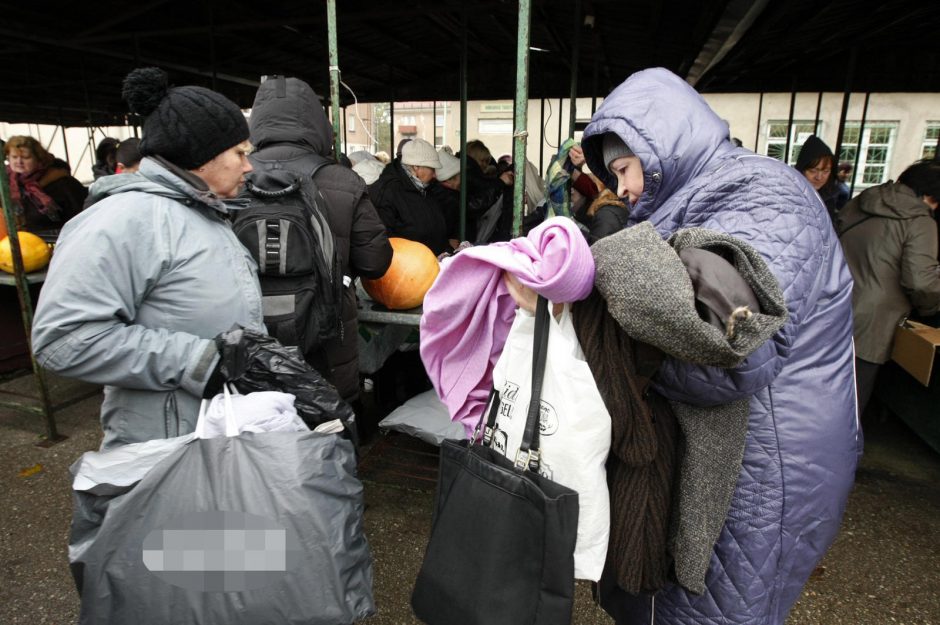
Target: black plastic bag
<point x="257" y="362"/>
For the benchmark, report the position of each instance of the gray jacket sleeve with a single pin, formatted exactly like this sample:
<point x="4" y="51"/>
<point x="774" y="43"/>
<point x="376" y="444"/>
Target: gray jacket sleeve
<point x="920" y="273"/>
<point x="105" y="264"/>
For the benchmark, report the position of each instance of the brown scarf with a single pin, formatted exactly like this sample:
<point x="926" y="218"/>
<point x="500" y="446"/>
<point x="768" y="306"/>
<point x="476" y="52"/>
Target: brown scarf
<point x="644" y="433"/>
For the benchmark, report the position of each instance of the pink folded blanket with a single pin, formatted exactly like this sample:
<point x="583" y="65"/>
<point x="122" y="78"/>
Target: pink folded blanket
<point x="468" y="311"/>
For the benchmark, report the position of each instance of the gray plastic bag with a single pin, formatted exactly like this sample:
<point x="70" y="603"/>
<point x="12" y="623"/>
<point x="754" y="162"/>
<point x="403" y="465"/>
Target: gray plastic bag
<point x="252" y="529"/>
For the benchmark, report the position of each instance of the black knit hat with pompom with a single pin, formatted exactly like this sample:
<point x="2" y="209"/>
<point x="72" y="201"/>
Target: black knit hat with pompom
<point x="188" y="126"/>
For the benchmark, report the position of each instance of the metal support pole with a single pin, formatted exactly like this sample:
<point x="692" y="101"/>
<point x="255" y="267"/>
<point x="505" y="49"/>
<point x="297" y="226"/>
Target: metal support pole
<point x="345" y="129"/>
<point x="594" y="80"/>
<point x="847" y="93"/>
<point x="26" y="305"/>
<point x="861" y="136"/>
<point x="786" y="150"/>
<point x="818" y="111"/>
<point x="391" y="114"/>
<point x="521" y="133"/>
<point x="575" y="59"/>
<point x="542" y="139"/>
<point x="212" y="65"/>
<point x="65" y="144"/>
<point x="760" y="111"/>
<point x="463" y="126"/>
<point x="434" y="123"/>
<point x="334" y="73"/>
<point x="560" y="122"/>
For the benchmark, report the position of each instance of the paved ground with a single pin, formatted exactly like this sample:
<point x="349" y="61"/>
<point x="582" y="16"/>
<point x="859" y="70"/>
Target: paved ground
<point x="883" y="569"/>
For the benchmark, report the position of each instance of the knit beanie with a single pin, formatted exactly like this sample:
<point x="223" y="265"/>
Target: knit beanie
<point x="450" y="166"/>
<point x="612" y="148"/>
<point x="811" y="151"/>
<point x="420" y="153"/>
<point x="188" y="126"/>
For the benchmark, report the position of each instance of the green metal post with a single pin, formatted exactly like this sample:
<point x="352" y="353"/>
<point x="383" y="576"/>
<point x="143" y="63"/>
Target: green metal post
<point x="463" y="127"/>
<point x="26" y="306"/>
<point x="520" y="133"/>
<point x="334" y="73"/>
<point x="575" y="59"/>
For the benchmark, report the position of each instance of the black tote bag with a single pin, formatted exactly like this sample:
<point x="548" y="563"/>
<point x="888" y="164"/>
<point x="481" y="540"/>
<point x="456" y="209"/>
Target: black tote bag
<point x="502" y="542"/>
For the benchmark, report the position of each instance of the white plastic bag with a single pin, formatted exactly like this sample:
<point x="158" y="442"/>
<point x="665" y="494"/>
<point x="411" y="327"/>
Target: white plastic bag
<point x="230" y="414"/>
<point x="574" y="427"/>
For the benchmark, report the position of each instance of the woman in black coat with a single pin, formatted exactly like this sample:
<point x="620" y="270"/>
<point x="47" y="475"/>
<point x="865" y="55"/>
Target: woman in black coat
<point x="402" y="198"/>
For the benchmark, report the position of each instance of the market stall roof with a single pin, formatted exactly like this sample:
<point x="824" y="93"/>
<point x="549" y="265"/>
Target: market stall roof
<point x="62" y="62"/>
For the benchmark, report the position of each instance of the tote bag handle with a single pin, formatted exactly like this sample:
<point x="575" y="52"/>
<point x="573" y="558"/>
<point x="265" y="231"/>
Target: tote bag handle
<point x="528" y="455"/>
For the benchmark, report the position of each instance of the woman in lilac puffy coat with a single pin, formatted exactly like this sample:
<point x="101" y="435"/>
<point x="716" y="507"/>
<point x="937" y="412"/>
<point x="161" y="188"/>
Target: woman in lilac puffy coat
<point x="678" y="168"/>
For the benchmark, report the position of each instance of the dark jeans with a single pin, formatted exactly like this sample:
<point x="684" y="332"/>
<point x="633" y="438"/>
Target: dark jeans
<point x="865" y="375"/>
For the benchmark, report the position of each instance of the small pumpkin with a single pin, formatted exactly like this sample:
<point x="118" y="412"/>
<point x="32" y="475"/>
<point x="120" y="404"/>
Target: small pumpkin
<point x="412" y="272"/>
<point x="35" y="251"/>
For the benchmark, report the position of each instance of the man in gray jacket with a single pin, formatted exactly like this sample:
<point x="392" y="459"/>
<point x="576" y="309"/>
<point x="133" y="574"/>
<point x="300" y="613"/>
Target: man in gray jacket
<point x="889" y="238"/>
<point x="143" y="280"/>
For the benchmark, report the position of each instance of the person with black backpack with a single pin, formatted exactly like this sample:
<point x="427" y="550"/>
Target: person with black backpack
<point x="312" y="228"/>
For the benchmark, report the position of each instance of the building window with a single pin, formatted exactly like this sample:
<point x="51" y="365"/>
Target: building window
<point x="931" y="135"/>
<point x="350" y="124"/>
<point x="495" y="127"/>
<point x="877" y="144"/>
<point x="777" y="138"/>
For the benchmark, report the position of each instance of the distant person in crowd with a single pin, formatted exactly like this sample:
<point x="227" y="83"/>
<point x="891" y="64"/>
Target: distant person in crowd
<point x="447" y="194"/>
<point x="105" y="157"/>
<point x="800" y="449"/>
<point x="601" y="211"/>
<point x="401" y="196"/>
<point x="889" y="237"/>
<point x="487" y="222"/>
<point x="366" y="165"/>
<point x="42" y="186"/>
<point x="843" y="189"/>
<point x="288" y="127"/>
<point x="817" y="164"/>
<point x="128" y="156"/>
<point x="143" y="282"/>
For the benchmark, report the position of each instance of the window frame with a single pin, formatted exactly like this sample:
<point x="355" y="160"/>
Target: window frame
<point x="795" y="144"/>
<point x="863" y="148"/>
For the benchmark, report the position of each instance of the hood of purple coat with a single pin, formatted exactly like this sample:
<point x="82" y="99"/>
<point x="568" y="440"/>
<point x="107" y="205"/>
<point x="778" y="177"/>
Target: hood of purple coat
<point x="668" y="125"/>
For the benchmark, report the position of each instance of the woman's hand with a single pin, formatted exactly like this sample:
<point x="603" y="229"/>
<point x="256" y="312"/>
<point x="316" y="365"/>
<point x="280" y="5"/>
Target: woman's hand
<point x="525" y="297"/>
<point x="576" y="156"/>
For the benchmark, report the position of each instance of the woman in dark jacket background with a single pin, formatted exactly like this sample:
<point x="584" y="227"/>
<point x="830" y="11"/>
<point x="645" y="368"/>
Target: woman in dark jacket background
<point x="817" y="163"/>
<point x="42" y="185"/>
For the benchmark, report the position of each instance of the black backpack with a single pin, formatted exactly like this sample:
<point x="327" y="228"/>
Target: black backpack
<point x="286" y="231"/>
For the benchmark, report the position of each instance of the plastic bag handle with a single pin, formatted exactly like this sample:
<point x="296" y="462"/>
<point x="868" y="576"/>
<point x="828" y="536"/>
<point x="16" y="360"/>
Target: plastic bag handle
<point x="200" y="430"/>
<point x="231" y="425"/>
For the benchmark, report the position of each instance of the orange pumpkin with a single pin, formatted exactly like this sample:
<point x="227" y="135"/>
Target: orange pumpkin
<point x="35" y="251"/>
<point x="412" y="272"/>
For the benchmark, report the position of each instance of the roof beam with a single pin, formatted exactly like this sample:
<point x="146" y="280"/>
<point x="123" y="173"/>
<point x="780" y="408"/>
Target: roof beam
<point x="55" y="43"/>
<point x="737" y="19"/>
